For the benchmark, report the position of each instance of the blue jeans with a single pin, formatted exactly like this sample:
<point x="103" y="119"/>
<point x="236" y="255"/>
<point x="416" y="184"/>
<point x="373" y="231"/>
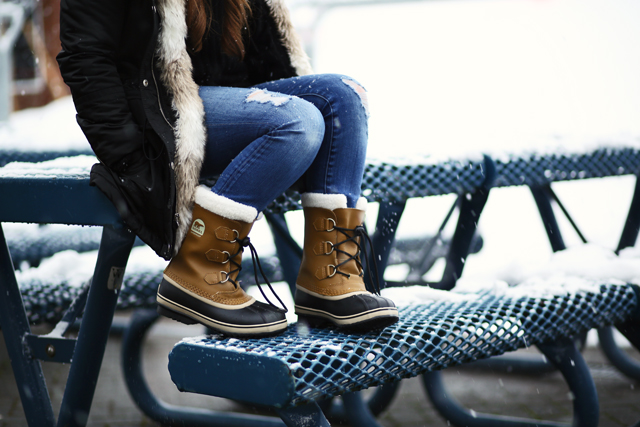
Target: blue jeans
<point x="262" y="140"/>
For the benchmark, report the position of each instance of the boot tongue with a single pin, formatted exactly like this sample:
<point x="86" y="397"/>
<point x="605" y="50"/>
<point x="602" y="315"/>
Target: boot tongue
<point x="350" y="219"/>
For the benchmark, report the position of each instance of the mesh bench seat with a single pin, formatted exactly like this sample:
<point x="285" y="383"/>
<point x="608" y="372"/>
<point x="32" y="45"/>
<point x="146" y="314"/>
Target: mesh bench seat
<point x="536" y="169"/>
<point x="305" y="365"/>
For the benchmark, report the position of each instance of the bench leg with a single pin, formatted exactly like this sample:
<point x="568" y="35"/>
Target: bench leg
<point x="357" y="411"/>
<point x="470" y="207"/>
<point x="523" y="365"/>
<point x="565" y="355"/>
<point x="113" y="254"/>
<point x="632" y="224"/>
<point x="389" y="215"/>
<point x="542" y="197"/>
<point x="618" y="358"/>
<point x="377" y="402"/>
<point x="305" y="415"/>
<point x="457" y="415"/>
<point x="156" y="409"/>
<point x="15" y="325"/>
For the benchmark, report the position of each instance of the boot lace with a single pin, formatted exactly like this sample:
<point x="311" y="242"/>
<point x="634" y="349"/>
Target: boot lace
<point x="246" y="243"/>
<point x="359" y="235"/>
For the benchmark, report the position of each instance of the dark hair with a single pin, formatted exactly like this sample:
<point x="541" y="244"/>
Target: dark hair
<point x="235" y="19"/>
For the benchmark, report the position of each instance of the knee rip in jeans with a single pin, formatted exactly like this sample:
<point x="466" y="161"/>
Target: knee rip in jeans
<point x="362" y="93"/>
<point x="262" y="96"/>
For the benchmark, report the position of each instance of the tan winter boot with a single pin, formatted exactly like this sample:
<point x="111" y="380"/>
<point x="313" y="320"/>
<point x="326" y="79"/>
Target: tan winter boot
<point x="200" y="283"/>
<point x="330" y="286"/>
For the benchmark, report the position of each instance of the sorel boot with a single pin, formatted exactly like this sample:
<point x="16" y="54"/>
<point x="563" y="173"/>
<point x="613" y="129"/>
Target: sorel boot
<point x="330" y="286"/>
<point x="200" y="283"/>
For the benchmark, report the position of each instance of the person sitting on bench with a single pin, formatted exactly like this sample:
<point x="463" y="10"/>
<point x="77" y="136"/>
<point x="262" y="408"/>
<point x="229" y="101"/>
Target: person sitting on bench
<point x="170" y="91"/>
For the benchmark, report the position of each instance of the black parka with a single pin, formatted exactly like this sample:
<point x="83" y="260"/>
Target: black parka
<point x="134" y="85"/>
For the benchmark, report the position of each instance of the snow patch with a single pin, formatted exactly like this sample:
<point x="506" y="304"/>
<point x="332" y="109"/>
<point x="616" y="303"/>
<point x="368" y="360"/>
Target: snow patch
<point x="77" y="268"/>
<point x="586" y="261"/>
<point x="62" y="166"/>
<point x="582" y="268"/>
<point x="423" y="295"/>
<point x="52" y="127"/>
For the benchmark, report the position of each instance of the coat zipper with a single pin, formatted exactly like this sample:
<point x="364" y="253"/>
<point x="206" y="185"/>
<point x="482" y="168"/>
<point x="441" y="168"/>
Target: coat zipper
<point x="155" y="82"/>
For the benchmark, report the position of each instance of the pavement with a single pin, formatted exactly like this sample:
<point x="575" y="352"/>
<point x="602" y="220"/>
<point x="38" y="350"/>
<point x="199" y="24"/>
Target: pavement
<point x="532" y="396"/>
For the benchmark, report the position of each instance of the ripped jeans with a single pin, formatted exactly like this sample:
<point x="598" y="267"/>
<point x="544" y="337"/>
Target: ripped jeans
<point x="262" y="140"/>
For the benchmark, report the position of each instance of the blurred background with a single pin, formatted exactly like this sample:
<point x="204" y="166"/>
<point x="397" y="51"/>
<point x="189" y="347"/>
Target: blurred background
<point x="446" y="79"/>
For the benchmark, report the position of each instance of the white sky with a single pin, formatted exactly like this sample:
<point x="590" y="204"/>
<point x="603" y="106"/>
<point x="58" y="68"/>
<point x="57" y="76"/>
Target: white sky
<point x="449" y="76"/>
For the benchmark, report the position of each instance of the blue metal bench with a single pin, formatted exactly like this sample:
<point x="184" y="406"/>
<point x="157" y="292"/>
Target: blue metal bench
<point x="70" y="200"/>
<point x="390" y="184"/>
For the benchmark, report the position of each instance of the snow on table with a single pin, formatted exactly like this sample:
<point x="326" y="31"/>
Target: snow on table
<point x="65" y="167"/>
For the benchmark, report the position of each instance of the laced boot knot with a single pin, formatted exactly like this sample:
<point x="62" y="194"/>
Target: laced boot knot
<point x="246" y="243"/>
<point x="359" y="236"/>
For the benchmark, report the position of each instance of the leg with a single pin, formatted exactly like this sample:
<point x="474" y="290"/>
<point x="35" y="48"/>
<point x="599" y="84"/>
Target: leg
<point x="115" y="247"/>
<point x="330" y="286"/>
<point x="261" y="143"/>
<point x="15" y="325"/>
<point x="339" y="165"/>
<point x="305" y="415"/>
<point x="158" y="410"/>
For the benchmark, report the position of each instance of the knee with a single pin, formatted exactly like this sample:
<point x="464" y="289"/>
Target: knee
<point x="294" y="121"/>
<point x="304" y="118"/>
<point x="348" y="89"/>
<point x="307" y="122"/>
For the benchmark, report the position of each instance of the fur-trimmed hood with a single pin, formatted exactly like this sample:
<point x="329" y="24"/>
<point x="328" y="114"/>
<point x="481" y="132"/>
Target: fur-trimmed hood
<point x="189" y="130"/>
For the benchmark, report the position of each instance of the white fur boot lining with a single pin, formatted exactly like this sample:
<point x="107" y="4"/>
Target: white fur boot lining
<point x="224" y="207"/>
<point x="330" y="201"/>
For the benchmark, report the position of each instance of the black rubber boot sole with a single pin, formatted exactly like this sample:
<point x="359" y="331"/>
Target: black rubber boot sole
<point x="353" y="312"/>
<point x="163" y="311"/>
<point x="248" y="322"/>
<point x="364" y="326"/>
<point x="174" y="315"/>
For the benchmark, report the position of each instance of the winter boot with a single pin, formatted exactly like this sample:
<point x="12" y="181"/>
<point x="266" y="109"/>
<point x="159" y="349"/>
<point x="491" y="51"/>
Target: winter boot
<point x="200" y="283"/>
<point x="330" y="286"/>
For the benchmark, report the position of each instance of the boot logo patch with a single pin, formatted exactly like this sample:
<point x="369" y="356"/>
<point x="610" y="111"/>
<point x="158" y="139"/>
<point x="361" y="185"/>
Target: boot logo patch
<point x="197" y="227"/>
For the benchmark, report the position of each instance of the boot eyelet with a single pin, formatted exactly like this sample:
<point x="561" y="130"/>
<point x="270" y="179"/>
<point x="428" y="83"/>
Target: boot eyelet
<point x="228" y="258"/>
<point x="334" y="224"/>
<point x="331" y="251"/>
<point x="335" y="269"/>
<point x="236" y="238"/>
<point x="226" y="277"/>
